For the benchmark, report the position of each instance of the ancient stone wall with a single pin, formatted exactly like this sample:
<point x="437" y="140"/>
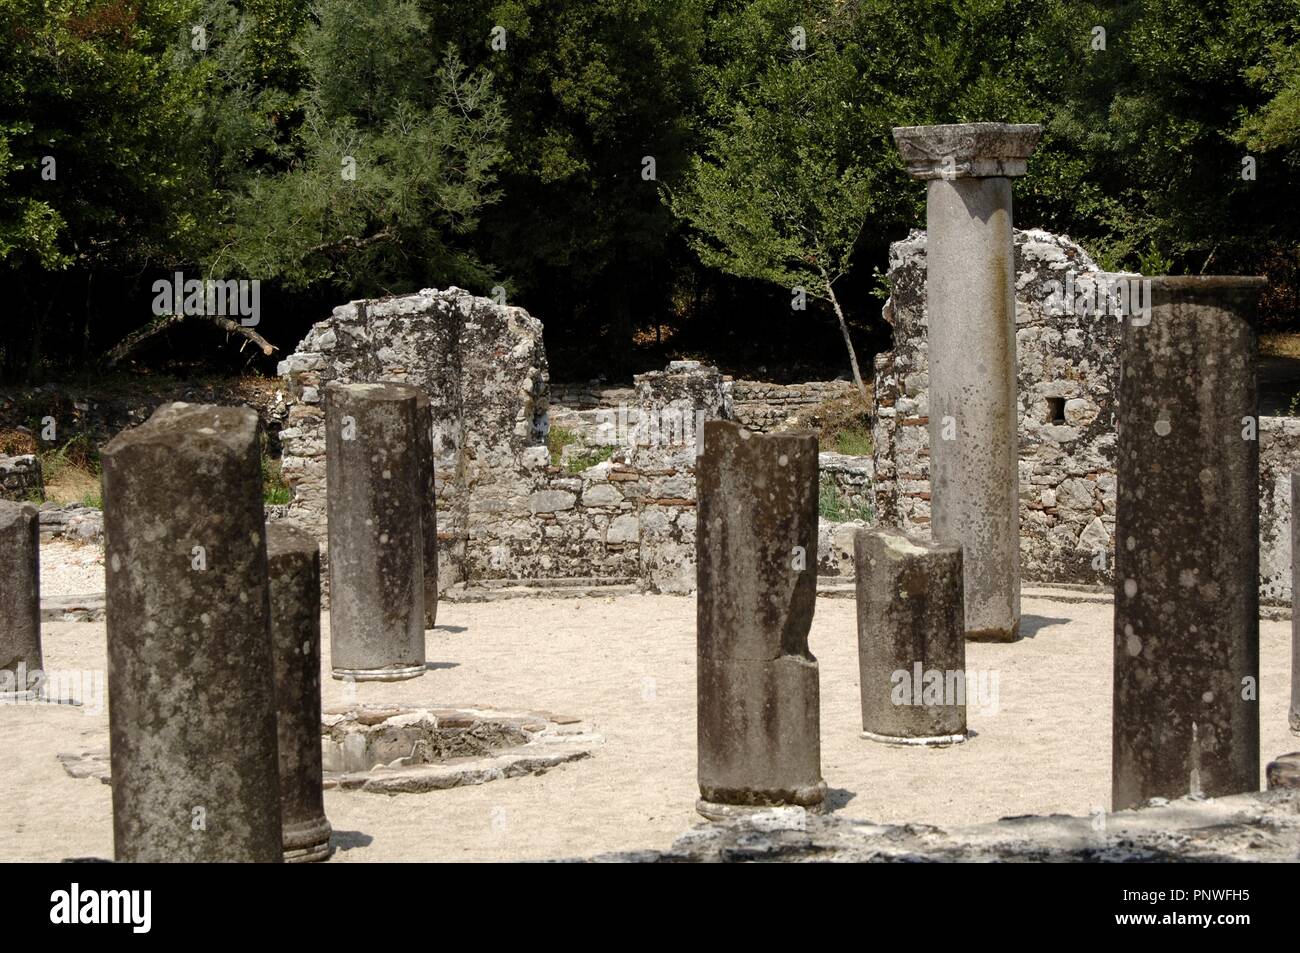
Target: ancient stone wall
<point x="20" y="479"/>
<point x="506" y="511"/>
<point x="1068" y="366"/>
<point x="763" y="407"/>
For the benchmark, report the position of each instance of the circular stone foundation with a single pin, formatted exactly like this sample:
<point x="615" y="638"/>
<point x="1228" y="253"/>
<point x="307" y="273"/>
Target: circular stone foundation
<point x="410" y="749"/>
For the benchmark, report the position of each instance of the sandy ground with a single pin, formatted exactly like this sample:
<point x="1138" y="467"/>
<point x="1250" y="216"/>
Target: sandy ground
<point x="626" y="665"/>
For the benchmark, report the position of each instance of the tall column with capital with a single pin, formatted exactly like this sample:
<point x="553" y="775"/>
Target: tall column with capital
<point x="971" y="307"/>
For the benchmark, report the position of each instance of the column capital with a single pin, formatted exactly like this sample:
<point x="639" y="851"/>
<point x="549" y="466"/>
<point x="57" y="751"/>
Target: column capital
<point x="967" y="150"/>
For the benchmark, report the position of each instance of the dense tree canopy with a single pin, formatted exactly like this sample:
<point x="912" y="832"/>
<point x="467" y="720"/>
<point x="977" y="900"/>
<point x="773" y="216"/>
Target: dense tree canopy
<point x="615" y="166"/>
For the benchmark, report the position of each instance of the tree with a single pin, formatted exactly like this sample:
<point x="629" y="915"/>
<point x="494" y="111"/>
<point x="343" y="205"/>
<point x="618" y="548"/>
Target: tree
<point x="777" y="196"/>
<point x="384" y="177"/>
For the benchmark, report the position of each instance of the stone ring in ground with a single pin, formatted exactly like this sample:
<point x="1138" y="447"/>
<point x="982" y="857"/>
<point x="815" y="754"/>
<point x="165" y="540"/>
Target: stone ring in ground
<point x="412" y="749"/>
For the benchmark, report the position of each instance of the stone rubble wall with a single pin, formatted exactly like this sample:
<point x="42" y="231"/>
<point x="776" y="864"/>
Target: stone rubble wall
<point x="764" y="407"/>
<point x="1068" y="367"/>
<point x="505" y="512"/>
<point x="1279" y="457"/>
<point x="20" y="479"/>
<point x="1067" y="375"/>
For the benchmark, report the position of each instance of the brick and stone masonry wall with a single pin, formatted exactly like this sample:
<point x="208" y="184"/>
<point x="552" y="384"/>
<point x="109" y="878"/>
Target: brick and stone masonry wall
<point x="505" y="513"/>
<point x="764" y="407"/>
<point x="1068" y="366"/>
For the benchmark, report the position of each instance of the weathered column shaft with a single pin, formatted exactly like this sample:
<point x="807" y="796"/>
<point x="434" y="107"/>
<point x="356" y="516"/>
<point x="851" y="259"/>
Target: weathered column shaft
<point x="20" y="600"/>
<point x="1294" y="714"/>
<point x="1186" y="710"/>
<point x="191" y="689"/>
<point x="759" y="739"/>
<point x="374" y="498"/>
<point x="293" y="570"/>
<point x="970" y="300"/>
<point x="429" y="512"/>
<point x="974" y="445"/>
<point x="911" y="639"/>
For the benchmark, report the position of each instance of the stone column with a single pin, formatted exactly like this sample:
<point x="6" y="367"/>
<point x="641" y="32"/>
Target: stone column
<point x="759" y="741"/>
<point x="1294" y="716"/>
<point x="911" y="639"/>
<point x="20" y="601"/>
<point x="970" y="299"/>
<point x="376" y="541"/>
<point x="1186" y="710"/>
<point x="293" y="569"/>
<point x="192" y="721"/>
<point x="429" y="512"/>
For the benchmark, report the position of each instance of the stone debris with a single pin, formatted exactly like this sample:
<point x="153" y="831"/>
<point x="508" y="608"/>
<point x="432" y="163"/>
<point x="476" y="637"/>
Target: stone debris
<point x="1247" y="828"/>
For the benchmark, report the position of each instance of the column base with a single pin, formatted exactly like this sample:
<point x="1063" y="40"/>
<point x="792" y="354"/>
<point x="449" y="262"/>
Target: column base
<point x="395" y="674"/>
<point x="308" y="842"/>
<point x="933" y="741"/>
<point x="715" y="811"/>
<point x="994" y="635"/>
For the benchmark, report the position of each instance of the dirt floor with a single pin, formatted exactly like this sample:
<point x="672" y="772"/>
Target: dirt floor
<point x="627" y="666"/>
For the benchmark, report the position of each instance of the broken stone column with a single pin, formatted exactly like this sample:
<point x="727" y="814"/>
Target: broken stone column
<point x="1186" y="710"/>
<point x="429" y="511"/>
<point x="293" y="568"/>
<point x="376" y="542"/>
<point x="911" y="639"/>
<point x="1294" y="717"/>
<point x="192" y="717"/>
<point x="970" y="296"/>
<point x="20" y="601"/>
<point x="759" y="741"/>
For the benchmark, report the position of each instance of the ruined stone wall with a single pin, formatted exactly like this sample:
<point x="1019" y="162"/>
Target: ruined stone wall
<point x="1067" y="366"/>
<point x="1067" y="374"/>
<point x="505" y="510"/>
<point x="1279" y="456"/>
<point x="763" y="407"/>
<point x="20" y="479"/>
<point x="483" y="367"/>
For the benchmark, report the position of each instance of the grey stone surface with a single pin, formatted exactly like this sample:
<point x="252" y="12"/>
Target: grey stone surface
<point x="376" y="541"/>
<point x="1247" y="828"/>
<point x="191" y="689"/>
<point x="20" y="599"/>
<point x="911" y="644"/>
<point x="293" y="573"/>
<point x="429" y="511"/>
<point x="1294" y="714"/>
<point x="758" y="710"/>
<point x="1186" y="714"/>
<point x="970" y="294"/>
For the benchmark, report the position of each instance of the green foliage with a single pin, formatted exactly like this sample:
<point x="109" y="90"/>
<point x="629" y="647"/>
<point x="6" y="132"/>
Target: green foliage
<point x="394" y="157"/>
<point x="832" y="506"/>
<point x="557" y="438"/>
<point x="588" y="459"/>
<point x="854" y="442"/>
